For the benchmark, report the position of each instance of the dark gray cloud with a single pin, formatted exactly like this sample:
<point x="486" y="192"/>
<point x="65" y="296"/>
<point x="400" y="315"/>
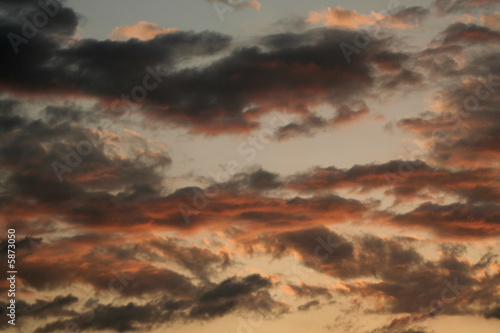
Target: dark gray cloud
<point x="305" y="290"/>
<point x="25" y="244"/>
<point x="129" y="317"/>
<point x="308" y="305"/>
<point x="244" y="293"/>
<point x="227" y="95"/>
<point x="470" y="34"/>
<point x="233" y="287"/>
<point x="493" y="313"/>
<point x="41" y="309"/>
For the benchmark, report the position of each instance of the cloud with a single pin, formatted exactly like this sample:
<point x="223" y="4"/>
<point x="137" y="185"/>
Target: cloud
<point x="41" y="308"/>
<point x="142" y="30"/>
<point x="305" y="290"/>
<point x="461" y="130"/>
<point x="388" y="270"/>
<point x="84" y="198"/>
<point x="402" y="275"/>
<point x="233" y="287"/>
<point x="200" y="261"/>
<point x="151" y="255"/>
<point x="122" y="187"/>
<point x="99" y="169"/>
<point x="469" y="33"/>
<point x="54" y="308"/>
<point x="403" y="18"/>
<point x="463" y="6"/>
<point x="228" y="95"/>
<point x="493" y="313"/>
<point x="230" y="295"/>
<point x="237" y="4"/>
<point x="308" y="305"/>
<point x="333" y="254"/>
<point x="123" y="318"/>
<point x="343" y="17"/>
<point x="25" y="244"/>
<point x="311" y="123"/>
<point x="492" y="21"/>
<point x="456" y="220"/>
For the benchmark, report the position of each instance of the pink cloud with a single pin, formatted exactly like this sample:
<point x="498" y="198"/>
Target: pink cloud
<point x="141" y="30"/>
<point x="350" y="18"/>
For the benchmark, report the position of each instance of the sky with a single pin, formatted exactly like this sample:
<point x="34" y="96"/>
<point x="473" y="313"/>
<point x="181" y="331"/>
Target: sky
<point x="248" y="166"/>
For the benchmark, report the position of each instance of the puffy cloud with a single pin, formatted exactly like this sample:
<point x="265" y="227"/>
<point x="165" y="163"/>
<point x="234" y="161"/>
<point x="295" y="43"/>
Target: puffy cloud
<point x="116" y="223"/>
<point x="470" y="33"/>
<point x="389" y="271"/>
<point x="403" y="18"/>
<point x="228" y="95"/>
<point x="141" y="30"/>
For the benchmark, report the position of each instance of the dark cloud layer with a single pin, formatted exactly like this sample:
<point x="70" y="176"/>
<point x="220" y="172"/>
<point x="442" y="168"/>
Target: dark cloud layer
<point x="228" y="296"/>
<point x="227" y="95"/>
<point x="100" y="221"/>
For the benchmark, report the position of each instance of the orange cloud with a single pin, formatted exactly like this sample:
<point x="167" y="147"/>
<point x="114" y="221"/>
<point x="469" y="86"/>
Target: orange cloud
<point x="342" y="17"/>
<point x="492" y="21"/>
<point x="141" y="30"/>
<point x="255" y="4"/>
<point x="350" y="18"/>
